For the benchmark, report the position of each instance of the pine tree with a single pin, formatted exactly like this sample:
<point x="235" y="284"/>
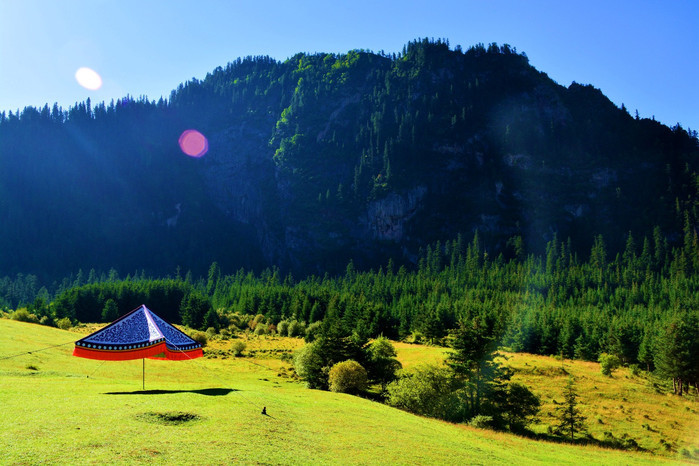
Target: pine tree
<point x="571" y="421"/>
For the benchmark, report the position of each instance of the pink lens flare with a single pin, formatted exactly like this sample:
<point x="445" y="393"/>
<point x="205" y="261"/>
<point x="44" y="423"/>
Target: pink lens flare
<point x="193" y="143"/>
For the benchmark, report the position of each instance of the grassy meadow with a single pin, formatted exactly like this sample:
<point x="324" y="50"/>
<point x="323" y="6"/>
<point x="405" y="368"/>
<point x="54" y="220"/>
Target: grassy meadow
<point x="59" y="409"/>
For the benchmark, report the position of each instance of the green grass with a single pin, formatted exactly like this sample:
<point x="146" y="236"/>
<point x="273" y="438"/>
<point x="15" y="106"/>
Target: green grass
<point x="68" y="410"/>
<point x="624" y="404"/>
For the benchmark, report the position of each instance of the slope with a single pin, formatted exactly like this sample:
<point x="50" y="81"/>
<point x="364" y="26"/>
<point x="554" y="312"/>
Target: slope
<point x="60" y="409"/>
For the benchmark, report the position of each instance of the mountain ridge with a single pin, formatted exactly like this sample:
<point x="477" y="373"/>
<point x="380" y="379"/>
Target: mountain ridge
<point x="325" y="158"/>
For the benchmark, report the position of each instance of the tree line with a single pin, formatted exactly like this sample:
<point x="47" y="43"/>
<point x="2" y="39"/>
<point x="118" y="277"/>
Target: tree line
<point x="640" y="306"/>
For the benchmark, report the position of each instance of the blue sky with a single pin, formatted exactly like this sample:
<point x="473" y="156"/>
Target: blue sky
<point x="642" y="53"/>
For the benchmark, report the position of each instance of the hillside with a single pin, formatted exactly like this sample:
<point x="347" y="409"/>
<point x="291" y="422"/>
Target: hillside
<point x="324" y="158"/>
<point x="57" y="408"/>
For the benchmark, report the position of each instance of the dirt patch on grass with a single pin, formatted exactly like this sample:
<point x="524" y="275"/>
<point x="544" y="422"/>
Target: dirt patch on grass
<point x="170" y="418"/>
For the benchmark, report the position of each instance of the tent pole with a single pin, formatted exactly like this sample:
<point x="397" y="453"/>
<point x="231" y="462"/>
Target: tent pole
<point x="143" y="372"/>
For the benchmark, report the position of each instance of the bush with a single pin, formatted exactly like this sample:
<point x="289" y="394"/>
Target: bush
<point x="382" y="363"/>
<point x="481" y="421"/>
<point x="347" y="377"/>
<point x="296" y="329"/>
<point x="690" y="453"/>
<point x="636" y="371"/>
<point x="313" y="331"/>
<point x="283" y="328"/>
<point x="210" y="332"/>
<point x="608" y="362"/>
<point x="64" y="323"/>
<point x="261" y="329"/>
<point x="46" y="320"/>
<point x="426" y="390"/>
<point x="258" y="319"/>
<point x="22" y="315"/>
<point x="200" y="337"/>
<point x="238" y="348"/>
<point x="310" y="366"/>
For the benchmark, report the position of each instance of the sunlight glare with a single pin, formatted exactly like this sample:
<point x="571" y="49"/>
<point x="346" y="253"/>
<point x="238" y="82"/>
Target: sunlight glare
<point x="193" y="143"/>
<point x="88" y="78"/>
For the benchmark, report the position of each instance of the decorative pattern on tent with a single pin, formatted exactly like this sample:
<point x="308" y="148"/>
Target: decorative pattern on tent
<point x="137" y="335"/>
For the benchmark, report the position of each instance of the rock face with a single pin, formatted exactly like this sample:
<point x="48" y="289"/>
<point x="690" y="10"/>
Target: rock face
<point x="239" y="178"/>
<point x="386" y="218"/>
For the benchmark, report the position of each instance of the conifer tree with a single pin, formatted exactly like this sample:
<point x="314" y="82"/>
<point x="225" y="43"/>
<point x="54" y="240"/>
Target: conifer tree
<point x="571" y="421"/>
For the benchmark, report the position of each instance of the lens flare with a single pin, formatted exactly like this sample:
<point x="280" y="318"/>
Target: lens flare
<point x="88" y="78"/>
<point x="193" y="143"/>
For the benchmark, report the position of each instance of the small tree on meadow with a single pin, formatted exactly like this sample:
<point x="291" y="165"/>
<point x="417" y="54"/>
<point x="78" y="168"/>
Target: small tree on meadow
<point x="519" y="407"/>
<point x="310" y="365"/>
<point x="570" y="419"/>
<point x="238" y="347"/>
<point x="608" y="362"/>
<point x="382" y="362"/>
<point x="347" y="377"/>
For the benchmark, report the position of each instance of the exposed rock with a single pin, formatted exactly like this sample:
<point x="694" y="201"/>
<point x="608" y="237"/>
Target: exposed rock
<point x="386" y="217"/>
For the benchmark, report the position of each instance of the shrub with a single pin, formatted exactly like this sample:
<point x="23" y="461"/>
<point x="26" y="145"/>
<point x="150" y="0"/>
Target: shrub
<point x="382" y="362"/>
<point x="238" y="348"/>
<point x="481" y="421"/>
<point x="46" y="320"/>
<point x="283" y="328"/>
<point x="427" y="390"/>
<point x="313" y="331"/>
<point x="636" y="371"/>
<point x="200" y="337"/>
<point x="258" y="319"/>
<point x="296" y="329"/>
<point x="210" y="332"/>
<point x="261" y="329"/>
<point x="692" y="454"/>
<point x="608" y="362"/>
<point x="310" y="366"/>
<point x="347" y="377"/>
<point x="22" y="315"/>
<point x="64" y="323"/>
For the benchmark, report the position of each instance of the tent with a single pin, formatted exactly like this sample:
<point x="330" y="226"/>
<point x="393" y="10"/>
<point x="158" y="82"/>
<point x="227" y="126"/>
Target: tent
<point x="137" y="335"/>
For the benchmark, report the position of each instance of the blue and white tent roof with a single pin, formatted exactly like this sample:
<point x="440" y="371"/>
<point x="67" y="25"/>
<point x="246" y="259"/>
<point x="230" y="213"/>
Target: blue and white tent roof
<point x="138" y="334"/>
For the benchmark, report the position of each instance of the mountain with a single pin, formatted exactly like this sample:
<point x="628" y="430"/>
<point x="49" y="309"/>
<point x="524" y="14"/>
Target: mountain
<point x="322" y="159"/>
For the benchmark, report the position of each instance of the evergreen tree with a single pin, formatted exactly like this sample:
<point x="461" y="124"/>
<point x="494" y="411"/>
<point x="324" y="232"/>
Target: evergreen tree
<point x="472" y="361"/>
<point x="677" y="352"/>
<point x="570" y="419"/>
<point x="110" y="311"/>
<point x="193" y="308"/>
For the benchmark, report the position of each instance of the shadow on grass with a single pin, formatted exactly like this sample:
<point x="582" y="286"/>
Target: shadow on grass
<point x="608" y="441"/>
<point x="203" y="391"/>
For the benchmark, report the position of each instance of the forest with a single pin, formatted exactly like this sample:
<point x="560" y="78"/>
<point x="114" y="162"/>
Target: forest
<point x="641" y="306"/>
